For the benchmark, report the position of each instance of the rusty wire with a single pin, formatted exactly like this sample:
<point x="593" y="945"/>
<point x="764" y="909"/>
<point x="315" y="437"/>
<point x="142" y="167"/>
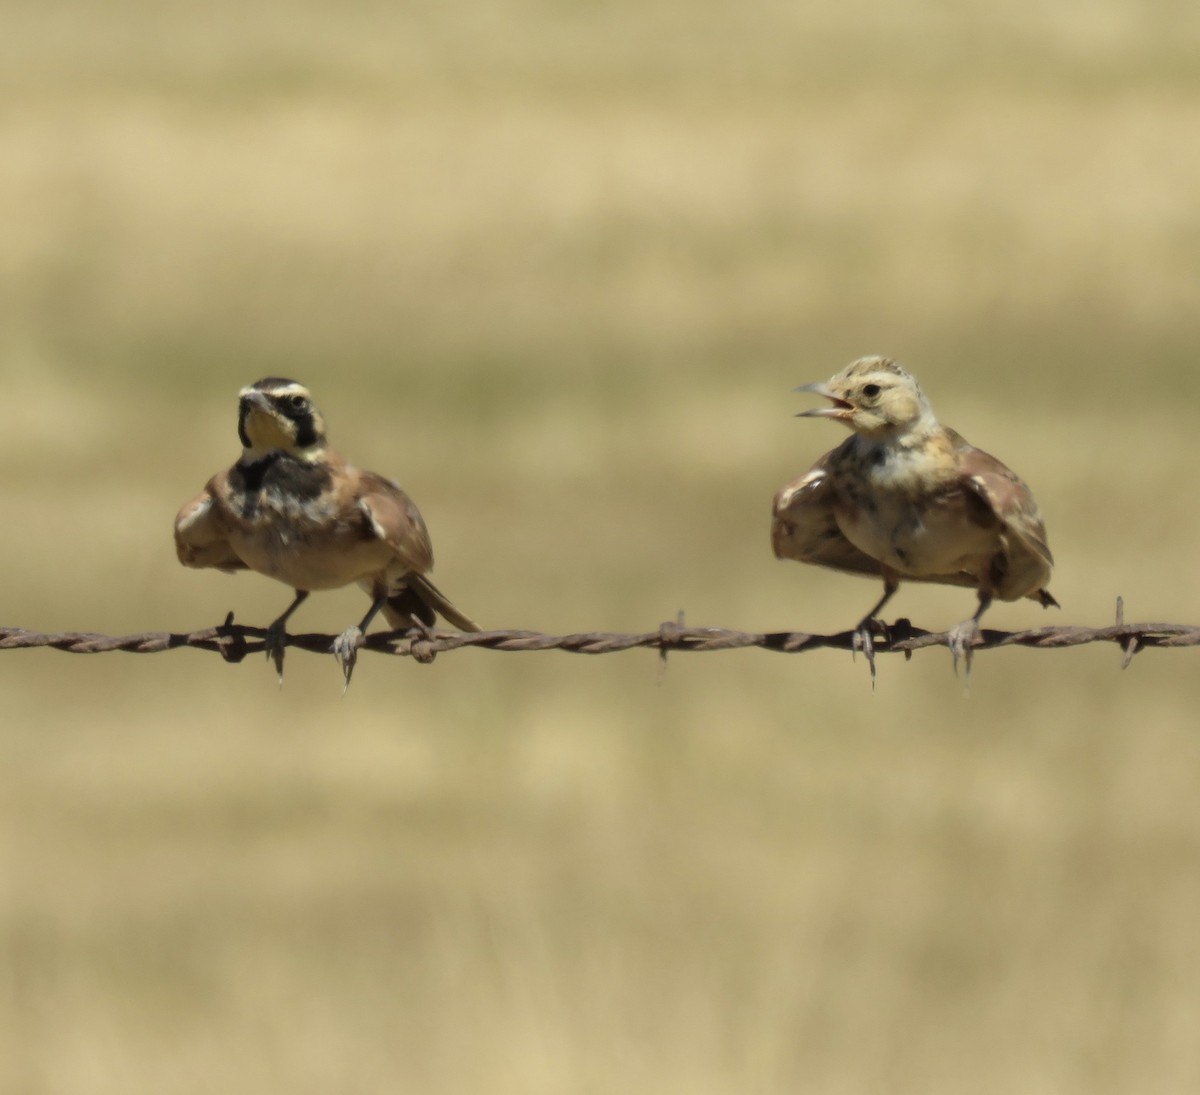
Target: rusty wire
<point x="235" y="641"/>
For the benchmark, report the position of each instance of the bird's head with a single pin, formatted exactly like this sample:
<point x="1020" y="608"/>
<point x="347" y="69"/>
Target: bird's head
<point x="277" y="415"/>
<point x="874" y="397"/>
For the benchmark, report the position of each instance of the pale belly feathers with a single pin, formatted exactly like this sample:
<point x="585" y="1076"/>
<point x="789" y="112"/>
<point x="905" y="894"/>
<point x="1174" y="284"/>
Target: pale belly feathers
<point x="282" y="548"/>
<point x="918" y="540"/>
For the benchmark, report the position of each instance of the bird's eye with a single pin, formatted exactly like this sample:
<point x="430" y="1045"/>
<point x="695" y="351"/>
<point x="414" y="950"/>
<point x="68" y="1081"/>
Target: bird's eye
<point x="297" y="403"/>
<point x="870" y="390"/>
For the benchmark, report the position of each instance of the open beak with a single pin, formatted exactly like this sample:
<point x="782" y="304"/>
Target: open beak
<point x="839" y="412"/>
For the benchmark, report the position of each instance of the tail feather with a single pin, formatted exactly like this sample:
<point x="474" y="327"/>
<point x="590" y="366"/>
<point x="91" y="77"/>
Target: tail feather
<point x="405" y="609"/>
<point x="419" y="600"/>
<point x="1042" y="596"/>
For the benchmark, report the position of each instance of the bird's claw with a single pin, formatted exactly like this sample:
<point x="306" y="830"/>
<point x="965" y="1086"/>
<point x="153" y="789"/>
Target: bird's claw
<point x="275" y="643"/>
<point x="863" y="642"/>
<point x="345" y="649"/>
<point x="962" y="645"/>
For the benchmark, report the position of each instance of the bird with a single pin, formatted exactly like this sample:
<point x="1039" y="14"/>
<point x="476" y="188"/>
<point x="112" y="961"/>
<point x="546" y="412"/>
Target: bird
<point x="296" y="510"/>
<point x="905" y="498"/>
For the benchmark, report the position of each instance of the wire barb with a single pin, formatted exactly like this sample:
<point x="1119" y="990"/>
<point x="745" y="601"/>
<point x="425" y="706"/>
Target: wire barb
<point x="235" y="641"/>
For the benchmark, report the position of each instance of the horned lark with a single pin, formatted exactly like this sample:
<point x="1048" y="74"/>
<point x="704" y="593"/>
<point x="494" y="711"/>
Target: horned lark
<point x="907" y="499"/>
<point x="295" y="510"/>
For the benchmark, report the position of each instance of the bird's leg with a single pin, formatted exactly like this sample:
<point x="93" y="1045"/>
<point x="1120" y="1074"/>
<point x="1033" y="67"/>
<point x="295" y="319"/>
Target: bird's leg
<point x="345" y="646"/>
<point x="274" y="640"/>
<point x="962" y="638"/>
<point x="863" y="639"/>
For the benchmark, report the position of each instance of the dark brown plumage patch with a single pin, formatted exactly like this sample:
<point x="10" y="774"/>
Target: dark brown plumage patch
<point x="298" y="478"/>
<point x="243" y="414"/>
<point x="307" y="432"/>
<point x="270" y="383"/>
<point x="409" y="603"/>
<point x="279" y="474"/>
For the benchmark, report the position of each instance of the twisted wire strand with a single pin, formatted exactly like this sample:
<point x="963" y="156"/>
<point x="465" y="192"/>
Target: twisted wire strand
<point x="235" y="641"/>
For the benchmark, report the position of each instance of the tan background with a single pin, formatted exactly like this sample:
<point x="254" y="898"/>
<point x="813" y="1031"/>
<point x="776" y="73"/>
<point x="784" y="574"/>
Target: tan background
<point x="556" y="267"/>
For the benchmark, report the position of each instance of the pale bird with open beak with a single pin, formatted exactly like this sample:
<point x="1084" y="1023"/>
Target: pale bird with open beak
<point x="905" y="498"/>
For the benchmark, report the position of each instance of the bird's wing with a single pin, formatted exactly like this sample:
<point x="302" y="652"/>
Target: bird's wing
<point x="1006" y="497"/>
<point x="804" y="525"/>
<point x="201" y="534"/>
<point x="394" y="518"/>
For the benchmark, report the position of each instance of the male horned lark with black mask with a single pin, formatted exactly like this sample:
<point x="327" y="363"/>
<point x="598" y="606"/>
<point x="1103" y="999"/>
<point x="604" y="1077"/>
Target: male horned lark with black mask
<point x="905" y="498"/>
<point x="295" y="510"/>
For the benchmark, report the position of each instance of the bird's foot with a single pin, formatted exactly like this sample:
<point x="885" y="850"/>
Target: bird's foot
<point x="864" y="642"/>
<point x="275" y="643"/>
<point x="420" y="640"/>
<point x="962" y="645"/>
<point x="345" y="649"/>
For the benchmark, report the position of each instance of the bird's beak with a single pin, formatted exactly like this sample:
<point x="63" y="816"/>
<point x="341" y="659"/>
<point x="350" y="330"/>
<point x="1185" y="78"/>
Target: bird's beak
<point x="840" y="411"/>
<point x="257" y="400"/>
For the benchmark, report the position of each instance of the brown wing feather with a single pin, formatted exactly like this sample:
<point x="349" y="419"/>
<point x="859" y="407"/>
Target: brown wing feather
<point x="1028" y="560"/>
<point x="804" y="525"/>
<point x="397" y="521"/>
<point x="201" y="534"/>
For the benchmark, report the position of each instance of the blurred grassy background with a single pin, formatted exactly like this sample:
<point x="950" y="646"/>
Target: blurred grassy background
<point x="557" y="267"/>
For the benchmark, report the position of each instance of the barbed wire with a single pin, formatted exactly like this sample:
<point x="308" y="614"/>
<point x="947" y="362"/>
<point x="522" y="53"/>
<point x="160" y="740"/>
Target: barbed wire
<point x="235" y="641"/>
